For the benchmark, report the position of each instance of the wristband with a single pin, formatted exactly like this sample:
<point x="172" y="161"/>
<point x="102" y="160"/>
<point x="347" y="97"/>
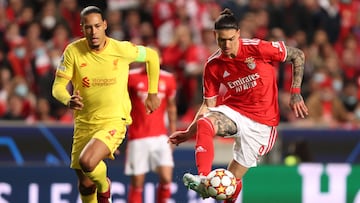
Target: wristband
<point x="295" y="90"/>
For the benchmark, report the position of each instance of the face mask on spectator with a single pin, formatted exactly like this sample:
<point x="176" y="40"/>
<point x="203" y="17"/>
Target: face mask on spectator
<point x="351" y="100"/>
<point x="48" y="22"/>
<point x="20" y="52"/>
<point x="21" y="90"/>
<point x="337" y="85"/>
<point x="319" y="77"/>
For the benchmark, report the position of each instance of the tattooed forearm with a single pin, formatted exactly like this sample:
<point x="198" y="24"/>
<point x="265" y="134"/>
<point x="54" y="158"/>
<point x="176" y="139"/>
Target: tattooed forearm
<point x="224" y="125"/>
<point x="297" y="58"/>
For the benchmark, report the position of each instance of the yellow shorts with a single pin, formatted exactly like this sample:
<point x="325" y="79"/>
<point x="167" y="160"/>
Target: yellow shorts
<point x="112" y="135"/>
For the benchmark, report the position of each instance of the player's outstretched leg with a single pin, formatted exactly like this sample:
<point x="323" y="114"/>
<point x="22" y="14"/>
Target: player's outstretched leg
<point x="196" y="183"/>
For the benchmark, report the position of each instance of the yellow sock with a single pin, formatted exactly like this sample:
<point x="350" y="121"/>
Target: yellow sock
<point x="89" y="198"/>
<point x="98" y="176"/>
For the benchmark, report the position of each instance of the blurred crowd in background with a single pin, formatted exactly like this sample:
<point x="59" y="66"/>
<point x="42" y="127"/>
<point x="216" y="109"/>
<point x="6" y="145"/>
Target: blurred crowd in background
<point x="34" y="34"/>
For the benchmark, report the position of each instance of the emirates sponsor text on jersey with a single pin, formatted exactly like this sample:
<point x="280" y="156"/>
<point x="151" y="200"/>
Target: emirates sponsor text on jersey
<point x="244" y="83"/>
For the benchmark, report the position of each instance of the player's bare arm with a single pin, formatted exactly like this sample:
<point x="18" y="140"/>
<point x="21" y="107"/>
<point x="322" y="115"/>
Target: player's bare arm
<point x="172" y="114"/>
<point x="297" y="58"/>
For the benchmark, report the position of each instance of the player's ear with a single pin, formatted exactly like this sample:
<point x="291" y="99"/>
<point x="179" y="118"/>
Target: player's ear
<point x="105" y="24"/>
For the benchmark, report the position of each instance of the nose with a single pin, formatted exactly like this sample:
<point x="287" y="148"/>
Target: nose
<point x="227" y="43"/>
<point x="93" y="30"/>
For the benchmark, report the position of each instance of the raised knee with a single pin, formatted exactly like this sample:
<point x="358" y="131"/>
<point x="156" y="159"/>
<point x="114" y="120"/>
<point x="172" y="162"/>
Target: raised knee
<point x="86" y="164"/>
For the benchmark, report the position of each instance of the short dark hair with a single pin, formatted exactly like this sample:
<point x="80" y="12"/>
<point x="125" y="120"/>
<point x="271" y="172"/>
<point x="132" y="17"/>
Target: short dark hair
<point x="226" y="20"/>
<point x="91" y="9"/>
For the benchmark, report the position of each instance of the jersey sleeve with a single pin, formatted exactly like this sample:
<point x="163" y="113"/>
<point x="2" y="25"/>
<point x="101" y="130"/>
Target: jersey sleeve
<point x="273" y="50"/>
<point x="64" y="73"/>
<point x="131" y="51"/>
<point x="65" y="67"/>
<point x="211" y="84"/>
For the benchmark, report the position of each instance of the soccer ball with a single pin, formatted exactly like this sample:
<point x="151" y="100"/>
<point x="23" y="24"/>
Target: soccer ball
<point x="220" y="184"/>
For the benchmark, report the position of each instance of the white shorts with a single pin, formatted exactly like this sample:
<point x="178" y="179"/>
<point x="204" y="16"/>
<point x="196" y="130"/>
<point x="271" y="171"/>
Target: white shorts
<point x="252" y="139"/>
<point x="145" y="154"/>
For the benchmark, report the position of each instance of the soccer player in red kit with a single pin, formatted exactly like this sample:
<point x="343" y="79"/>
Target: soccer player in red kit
<point x="249" y="111"/>
<point x="148" y="147"/>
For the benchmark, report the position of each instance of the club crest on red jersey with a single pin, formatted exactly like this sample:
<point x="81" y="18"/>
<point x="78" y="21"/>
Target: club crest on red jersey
<point x="250" y="62"/>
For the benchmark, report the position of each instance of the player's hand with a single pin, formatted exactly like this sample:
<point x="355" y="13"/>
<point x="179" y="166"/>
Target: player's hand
<point x="152" y="102"/>
<point x="298" y="106"/>
<point x="76" y="101"/>
<point x="179" y="137"/>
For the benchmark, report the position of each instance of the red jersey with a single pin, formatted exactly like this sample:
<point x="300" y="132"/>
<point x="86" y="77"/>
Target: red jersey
<point x="249" y="78"/>
<point x="154" y="124"/>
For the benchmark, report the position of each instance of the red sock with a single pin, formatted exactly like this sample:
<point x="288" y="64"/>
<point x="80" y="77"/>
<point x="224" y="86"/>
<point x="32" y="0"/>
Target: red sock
<point x="163" y="193"/>
<point x="204" y="149"/>
<point x="237" y="192"/>
<point x="135" y="195"/>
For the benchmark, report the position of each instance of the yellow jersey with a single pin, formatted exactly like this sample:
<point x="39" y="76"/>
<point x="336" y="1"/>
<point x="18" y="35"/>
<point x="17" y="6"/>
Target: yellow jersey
<point x="101" y="77"/>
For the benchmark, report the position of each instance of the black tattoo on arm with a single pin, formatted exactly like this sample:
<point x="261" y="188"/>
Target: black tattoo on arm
<point x="297" y="58"/>
<point x="295" y="98"/>
<point x="224" y="125"/>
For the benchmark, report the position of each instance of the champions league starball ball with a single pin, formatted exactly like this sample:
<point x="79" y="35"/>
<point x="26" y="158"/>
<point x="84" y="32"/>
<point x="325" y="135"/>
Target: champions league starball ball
<point x="220" y="184"/>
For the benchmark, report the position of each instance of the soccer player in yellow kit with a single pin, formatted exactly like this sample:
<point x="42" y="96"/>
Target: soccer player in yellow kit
<point x="98" y="68"/>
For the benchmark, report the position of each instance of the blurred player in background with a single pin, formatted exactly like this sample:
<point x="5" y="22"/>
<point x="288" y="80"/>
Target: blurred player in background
<point x="98" y="68"/>
<point x="147" y="147"/>
<point x="249" y="110"/>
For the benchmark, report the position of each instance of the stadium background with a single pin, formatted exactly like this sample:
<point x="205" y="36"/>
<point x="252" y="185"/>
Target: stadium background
<point x="316" y="161"/>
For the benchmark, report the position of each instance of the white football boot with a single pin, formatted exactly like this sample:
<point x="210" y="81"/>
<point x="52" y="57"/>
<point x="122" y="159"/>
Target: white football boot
<point x="196" y="183"/>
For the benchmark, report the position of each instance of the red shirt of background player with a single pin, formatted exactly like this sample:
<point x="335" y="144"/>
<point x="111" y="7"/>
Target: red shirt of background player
<point x="148" y="125"/>
<point x="250" y="79"/>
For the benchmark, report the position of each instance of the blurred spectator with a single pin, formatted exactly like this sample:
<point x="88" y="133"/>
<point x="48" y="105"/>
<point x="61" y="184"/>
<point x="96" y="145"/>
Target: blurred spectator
<point x="59" y="40"/>
<point x="4" y="21"/>
<point x="41" y="112"/>
<point x="5" y="86"/>
<point x="17" y="55"/>
<point x="286" y="15"/>
<point x="262" y="24"/>
<point x="147" y="34"/>
<point x="132" y="22"/>
<point x="114" y="21"/>
<point x="70" y="11"/>
<point x="26" y="17"/>
<point x="14" y="9"/>
<point x="122" y="4"/>
<point x="330" y="19"/>
<point x="356" y="28"/>
<point x="12" y="35"/>
<point x="325" y="107"/>
<point x="48" y="17"/>
<point x="14" y="108"/>
<point x="20" y="102"/>
<point x="349" y="9"/>
<point x="348" y="53"/>
<point x="186" y="59"/>
<point x="349" y="95"/>
<point x="40" y="63"/>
